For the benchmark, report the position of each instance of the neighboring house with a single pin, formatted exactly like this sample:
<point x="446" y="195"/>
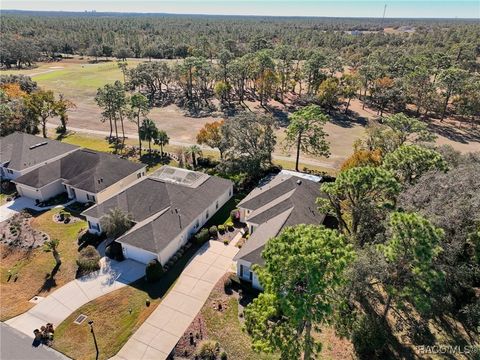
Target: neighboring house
<point x="288" y="199"/>
<point x="21" y="153"/>
<point x="86" y="176"/>
<point x="167" y="208"/>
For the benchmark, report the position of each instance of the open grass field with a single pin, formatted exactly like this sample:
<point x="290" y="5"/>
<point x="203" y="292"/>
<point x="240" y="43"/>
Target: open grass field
<point x="34" y="268"/>
<point x="79" y="80"/>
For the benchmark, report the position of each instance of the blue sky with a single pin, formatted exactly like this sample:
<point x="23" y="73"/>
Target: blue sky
<point x="339" y="8"/>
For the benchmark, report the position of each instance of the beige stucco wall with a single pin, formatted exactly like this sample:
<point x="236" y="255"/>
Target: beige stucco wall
<point x="119" y="185"/>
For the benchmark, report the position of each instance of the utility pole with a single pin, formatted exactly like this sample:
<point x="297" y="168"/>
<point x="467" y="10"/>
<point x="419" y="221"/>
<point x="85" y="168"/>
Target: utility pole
<point x="383" y="17"/>
<point x="94" y="338"/>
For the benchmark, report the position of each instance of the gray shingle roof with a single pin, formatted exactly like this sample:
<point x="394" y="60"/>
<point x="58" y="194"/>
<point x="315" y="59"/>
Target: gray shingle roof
<point x="152" y="202"/>
<point x="285" y="200"/>
<point x="22" y="151"/>
<point x="84" y="169"/>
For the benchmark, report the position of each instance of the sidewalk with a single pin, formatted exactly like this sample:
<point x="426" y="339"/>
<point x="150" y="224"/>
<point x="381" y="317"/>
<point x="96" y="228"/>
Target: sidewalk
<point x="57" y="306"/>
<point x="159" y="334"/>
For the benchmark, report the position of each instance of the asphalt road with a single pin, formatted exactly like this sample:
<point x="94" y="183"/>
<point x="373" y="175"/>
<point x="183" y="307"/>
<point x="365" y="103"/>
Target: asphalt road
<point x="17" y="346"/>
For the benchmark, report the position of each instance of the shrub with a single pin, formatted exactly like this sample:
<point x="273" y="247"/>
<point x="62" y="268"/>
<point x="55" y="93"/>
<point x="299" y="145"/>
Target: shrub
<point x="114" y="251"/>
<point x="153" y="271"/>
<point x="213" y="231"/>
<point x="207" y="350"/>
<point x="369" y="338"/>
<point x="202" y="236"/>
<point x="225" y="241"/>
<point x="235" y="214"/>
<point x="88" y="260"/>
<point x="229" y="225"/>
<point x="221" y="229"/>
<point x="87" y="238"/>
<point x="223" y="356"/>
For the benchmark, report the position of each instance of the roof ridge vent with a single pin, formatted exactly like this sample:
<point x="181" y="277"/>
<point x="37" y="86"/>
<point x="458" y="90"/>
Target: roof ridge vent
<point x="38" y="145"/>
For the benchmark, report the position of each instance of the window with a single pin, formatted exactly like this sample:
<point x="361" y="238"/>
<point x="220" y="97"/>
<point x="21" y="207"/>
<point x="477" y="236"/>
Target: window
<point x="196" y="224"/>
<point x="90" y="226"/>
<point x="139" y="175"/>
<point x="216" y="205"/>
<point x="10" y="171"/>
<point x="91" y="197"/>
<point x="207" y="215"/>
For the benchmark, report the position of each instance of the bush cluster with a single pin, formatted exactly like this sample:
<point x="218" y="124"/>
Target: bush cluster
<point x="88" y="260"/>
<point x="153" y="271"/>
<point x="114" y="251"/>
<point x="202" y="236"/>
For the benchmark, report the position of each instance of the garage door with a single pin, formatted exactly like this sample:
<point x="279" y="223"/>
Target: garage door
<point x="131" y="252"/>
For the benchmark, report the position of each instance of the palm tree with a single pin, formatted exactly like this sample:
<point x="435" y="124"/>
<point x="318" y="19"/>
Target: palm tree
<point x="148" y="132"/>
<point x="193" y="151"/>
<point x="52" y="246"/>
<point x="116" y="222"/>
<point x="162" y="139"/>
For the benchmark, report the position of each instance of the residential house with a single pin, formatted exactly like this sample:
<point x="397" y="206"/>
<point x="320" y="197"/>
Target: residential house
<point x="288" y="199"/>
<point x="167" y="207"/>
<point x="21" y="153"/>
<point x="86" y="176"/>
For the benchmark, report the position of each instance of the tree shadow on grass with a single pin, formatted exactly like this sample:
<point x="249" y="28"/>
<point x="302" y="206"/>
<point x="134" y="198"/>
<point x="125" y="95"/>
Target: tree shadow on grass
<point x="348" y="120"/>
<point x="50" y="281"/>
<point x="154" y="158"/>
<point x="451" y="133"/>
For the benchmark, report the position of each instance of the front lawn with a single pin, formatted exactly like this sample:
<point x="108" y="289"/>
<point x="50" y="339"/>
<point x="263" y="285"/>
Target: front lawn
<point x="31" y="270"/>
<point x="116" y="315"/>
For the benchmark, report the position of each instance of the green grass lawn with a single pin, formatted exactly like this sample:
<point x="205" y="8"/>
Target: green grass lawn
<point x="114" y="322"/>
<point x="33" y="268"/>
<point x="225" y="327"/>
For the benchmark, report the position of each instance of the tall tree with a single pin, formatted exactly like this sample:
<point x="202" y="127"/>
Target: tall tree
<point x="306" y="132"/>
<point x="193" y="151"/>
<point x="211" y="135"/>
<point x="162" y="139"/>
<point x="139" y="109"/>
<point x="148" y="132"/>
<point x="356" y="196"/>
<point x="304" y="266"/>
<point x="63" y="105"/>
<point x="409" y="162"/>
<point x="41" y="104"/>
<point x="112" y="99"/>
<point x="52" y="246"/>
<point x="410" y="251"/>
<point x="451" y="81"/>
<point x="249" y="141"/>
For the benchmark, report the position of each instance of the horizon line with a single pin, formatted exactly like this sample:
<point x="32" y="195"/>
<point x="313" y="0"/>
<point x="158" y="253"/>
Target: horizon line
<point x="93" y="11"/>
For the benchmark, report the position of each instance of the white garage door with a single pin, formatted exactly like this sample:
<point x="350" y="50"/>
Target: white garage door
<point x="131" y="252"/>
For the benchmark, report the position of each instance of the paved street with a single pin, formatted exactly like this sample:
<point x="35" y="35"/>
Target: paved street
<point x="157" y="337"/>
<point x="57" y="306"/>
<point x="17" y="346"/>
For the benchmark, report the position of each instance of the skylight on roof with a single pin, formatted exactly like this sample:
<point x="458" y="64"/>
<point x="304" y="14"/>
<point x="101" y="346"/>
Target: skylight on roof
<point x="179" y="176"/>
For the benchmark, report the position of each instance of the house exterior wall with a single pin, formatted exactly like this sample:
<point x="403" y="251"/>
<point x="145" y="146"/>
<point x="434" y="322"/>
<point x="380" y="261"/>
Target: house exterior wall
<point x="43" y="193"/>
<point x="120" y="185"/>
<point x="52" y="189"/>
<point x="93" y="225"/>
<point x="134" y="253"/>
<point x="81" y="196"/>
<point x="244" y="272"/>
<point x="29" y="192"/>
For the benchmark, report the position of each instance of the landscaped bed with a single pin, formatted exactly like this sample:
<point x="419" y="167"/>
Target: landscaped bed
<point x="25" y="272"/>
<point x="221" y="321"/>
<point x="116" y="315"/>
<point x="18" y="234"/>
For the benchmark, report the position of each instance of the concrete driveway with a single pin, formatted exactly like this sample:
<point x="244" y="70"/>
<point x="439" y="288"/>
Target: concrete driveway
<point x="57" y="306"/>
<point x="13" y="207"/>
<point x="159" y="334"/>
